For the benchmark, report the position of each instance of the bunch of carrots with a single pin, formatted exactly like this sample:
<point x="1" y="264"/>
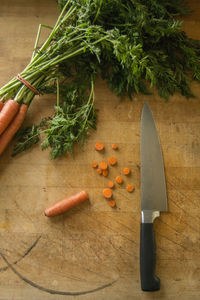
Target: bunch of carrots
<point x="12" y="115"/>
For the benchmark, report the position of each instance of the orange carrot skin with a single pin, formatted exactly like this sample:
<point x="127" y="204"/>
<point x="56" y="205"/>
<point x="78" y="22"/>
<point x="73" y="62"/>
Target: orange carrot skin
<point x="1" y="105"/>
<point x="10" y="131"/>
<point x="7" y="114"/>
<point x="99" y="146"/>
<point x="65" y="204"/>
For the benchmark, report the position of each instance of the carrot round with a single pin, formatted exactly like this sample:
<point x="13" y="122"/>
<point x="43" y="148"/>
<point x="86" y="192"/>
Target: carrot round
<point x="1" y="105"/>
<point x="66" y="204"/>
<point x="114" y="146"/>
<point x="112" y="161"/>
<point x="126" y="171"/>
<point x="99" y="146"/>
<point x="99" y="171"/>
<point x="107" y="193"/>
<point x="10" y="131"/>
<point x="94" y="164"/>
<point x="103" y="165"/>
<point x="118" y="179"/>
<point x="111" y="184"/>
<point x="112" y="203"/>
<point x="130" y="188"/>
<point x="7" y="113"/>
<point x="105" y="173"/>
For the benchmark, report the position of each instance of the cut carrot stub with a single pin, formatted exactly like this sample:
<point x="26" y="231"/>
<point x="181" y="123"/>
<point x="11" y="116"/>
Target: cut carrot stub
<point x="99" y="146"/>
<point x="114" y="146"/>
<point x="8" y="112"/>
<point x="103" y="165"/>
<point x="111" y="184"/>
<point x="130" y="188"/>
<point x="112" y="203"/>
<point x="99" y="171"/>
<point x="112" y="161"/>
<point x="105" y="173"/>
<point x="66" y="204"/>
<point x="126" y="171"/>
<point x="119" y="179"/>
<point x="107" y="193"/>
<point x="94" y="164"/>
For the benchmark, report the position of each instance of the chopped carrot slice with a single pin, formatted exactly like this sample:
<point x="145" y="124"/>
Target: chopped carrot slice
<point x="94" y="164"/>
<point x="112" y="161"/>
<point x="99" y="171"/>
<point x="111" y="184"/>
<point x="118" y="179"/>
<point x="130" y="188"/>
<point x="112" y="203"/>
<point x="105" y="173"/>
<point x="99" y="146"/>
<point x="103" y="165"/>
<point x="126" y="171"/>
<point x="107" y="193"/>
<point x="114" y="146"/>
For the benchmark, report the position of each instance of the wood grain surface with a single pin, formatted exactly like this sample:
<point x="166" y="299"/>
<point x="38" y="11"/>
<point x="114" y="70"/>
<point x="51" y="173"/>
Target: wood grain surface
<point x="94" y="247"/>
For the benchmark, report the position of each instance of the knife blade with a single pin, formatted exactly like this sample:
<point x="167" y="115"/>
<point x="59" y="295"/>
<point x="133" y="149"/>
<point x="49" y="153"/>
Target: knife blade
<point x="153" y="197"/>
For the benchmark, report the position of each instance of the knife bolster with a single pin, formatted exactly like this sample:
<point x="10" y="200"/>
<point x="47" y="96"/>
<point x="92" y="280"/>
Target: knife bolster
<point x="148" y="216"/>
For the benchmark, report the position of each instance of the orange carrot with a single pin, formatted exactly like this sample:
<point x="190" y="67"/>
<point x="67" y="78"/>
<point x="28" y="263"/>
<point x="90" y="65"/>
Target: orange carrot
<point x="103" y="165"/>
<point x="99" y="171"/>
<point x="118" y="179"/>
<point x="130" y="188"/>
<point x="126" y="171"/>
<point x="114" y="146"/>
<point x="112" y="203"/>
<point x="1" y="105"/>
<point x="111" y="184"/>
<point x="7" y="113"/>
<point x="10" y="131"/>
<point x="112" y="161"/>
<point x="94" y="164"/>
<point x="105" y="173"/>
<point x="99" y="146"/>
<point x="107" y="193"/>
<point x="66" y="204"/>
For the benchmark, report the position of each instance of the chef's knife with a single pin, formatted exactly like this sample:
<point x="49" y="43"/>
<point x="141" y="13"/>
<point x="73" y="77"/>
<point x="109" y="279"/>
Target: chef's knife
<point x="153" y="197"/>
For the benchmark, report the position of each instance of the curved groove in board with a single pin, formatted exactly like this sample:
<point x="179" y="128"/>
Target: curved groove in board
<point x="24" y="255"/>
<point x="51" y="291"/>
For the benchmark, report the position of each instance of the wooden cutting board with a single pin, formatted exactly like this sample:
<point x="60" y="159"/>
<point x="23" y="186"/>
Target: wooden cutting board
<point x="94" y="246"/>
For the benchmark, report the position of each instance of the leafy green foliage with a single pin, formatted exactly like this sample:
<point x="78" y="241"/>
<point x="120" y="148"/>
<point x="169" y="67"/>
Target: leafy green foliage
<point x="27" y="137"/>
<point x="71" y="122"/>
<point x="134" y="45"/>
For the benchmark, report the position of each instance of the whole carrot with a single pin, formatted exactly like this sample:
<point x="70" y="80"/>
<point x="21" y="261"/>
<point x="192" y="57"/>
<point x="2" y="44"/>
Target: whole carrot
<point x="7" y="113"/>
<point x="66" y="204"/>
<point x="1" y="105"/>
<point x="10" y="131"/>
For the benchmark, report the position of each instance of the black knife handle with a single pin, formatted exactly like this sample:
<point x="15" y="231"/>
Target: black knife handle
<point x="149" y="281"/>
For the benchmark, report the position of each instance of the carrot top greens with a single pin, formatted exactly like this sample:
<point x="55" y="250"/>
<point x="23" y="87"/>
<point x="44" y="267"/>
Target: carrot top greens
<point x="133" y="45"/>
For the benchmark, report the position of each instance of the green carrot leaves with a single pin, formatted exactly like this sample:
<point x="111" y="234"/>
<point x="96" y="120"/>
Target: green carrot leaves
<point x="134" y="45"/>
